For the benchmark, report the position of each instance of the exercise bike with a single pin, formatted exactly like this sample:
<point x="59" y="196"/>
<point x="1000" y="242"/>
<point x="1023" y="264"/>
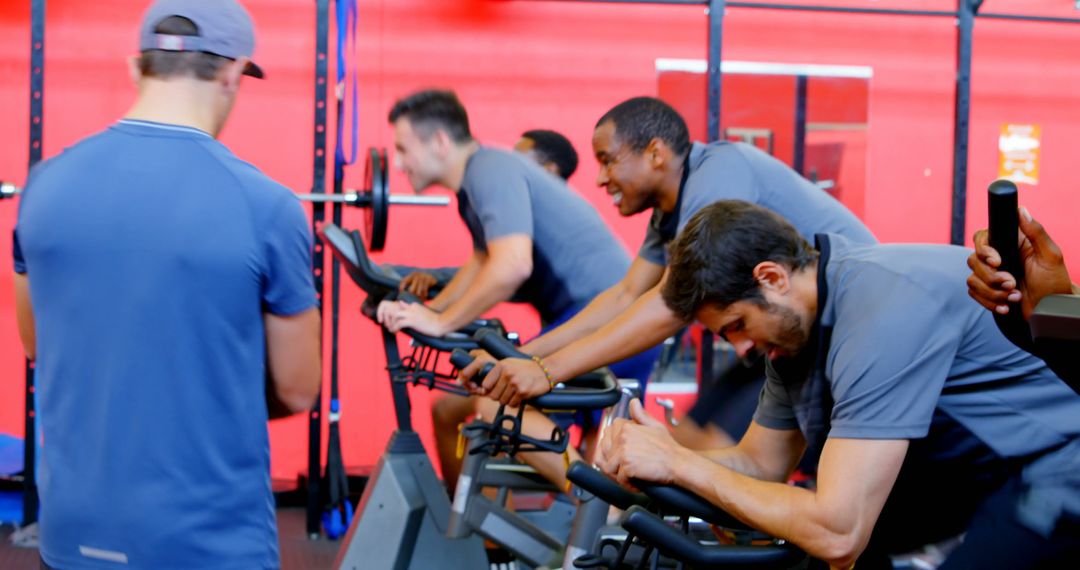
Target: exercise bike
<point x="405" y="519"/>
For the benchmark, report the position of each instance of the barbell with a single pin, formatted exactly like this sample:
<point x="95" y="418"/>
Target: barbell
<point x="8" y="190"/>
<point x="375" y="198"/>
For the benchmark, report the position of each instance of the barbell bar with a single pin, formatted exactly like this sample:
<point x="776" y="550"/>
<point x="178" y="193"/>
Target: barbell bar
<point x="361" y="199"/>
<point x="9" y="190"/>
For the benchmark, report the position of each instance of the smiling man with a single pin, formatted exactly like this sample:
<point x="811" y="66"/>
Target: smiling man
<point x="928" y="421"/>
<point x="647" y="162"/>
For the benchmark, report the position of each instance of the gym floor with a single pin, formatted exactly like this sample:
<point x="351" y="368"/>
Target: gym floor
<point x="297" y="552"/>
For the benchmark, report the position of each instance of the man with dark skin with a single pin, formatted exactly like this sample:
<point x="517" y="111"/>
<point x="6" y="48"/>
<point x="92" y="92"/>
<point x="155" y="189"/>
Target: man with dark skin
<point x="647" y="162"/>
<point x="1044" y="274"/>
<point x="1044" y="270"/>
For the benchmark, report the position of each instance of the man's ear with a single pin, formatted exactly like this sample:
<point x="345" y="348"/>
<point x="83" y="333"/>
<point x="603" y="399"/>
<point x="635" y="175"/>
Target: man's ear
<point x="232" y="73"/>
<point x="772" y="276"/>
<point x="133" y="69"/>
<point x="442" y="142"/>
<point x="657" y="152"/>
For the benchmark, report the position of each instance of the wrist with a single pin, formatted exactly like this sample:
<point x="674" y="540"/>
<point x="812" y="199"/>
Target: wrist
<point x="551" y="380"/>
<point x="442" y="328"/>
<point x="682" y="462"/>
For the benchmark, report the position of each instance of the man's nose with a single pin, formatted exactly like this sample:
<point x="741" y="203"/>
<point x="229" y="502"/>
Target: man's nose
<point x="742" y="344"/>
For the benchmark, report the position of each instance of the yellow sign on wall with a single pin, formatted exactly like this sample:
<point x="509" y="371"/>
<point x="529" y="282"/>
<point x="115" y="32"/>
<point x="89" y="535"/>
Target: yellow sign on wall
<point x="1018" y="150"/>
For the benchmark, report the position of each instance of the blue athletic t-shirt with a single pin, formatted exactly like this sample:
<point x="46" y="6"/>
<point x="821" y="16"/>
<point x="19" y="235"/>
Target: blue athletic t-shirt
<point x="152" y="254"/>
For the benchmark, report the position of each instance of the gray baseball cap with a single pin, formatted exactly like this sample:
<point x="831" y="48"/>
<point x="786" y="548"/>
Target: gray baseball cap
<point x="225" y="29"/>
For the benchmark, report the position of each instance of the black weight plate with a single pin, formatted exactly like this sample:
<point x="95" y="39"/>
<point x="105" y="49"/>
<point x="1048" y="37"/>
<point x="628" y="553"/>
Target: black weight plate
<point x="376" y="182"/>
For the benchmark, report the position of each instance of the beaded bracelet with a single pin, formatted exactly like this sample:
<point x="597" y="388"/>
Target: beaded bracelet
<point x="547" y="373"/>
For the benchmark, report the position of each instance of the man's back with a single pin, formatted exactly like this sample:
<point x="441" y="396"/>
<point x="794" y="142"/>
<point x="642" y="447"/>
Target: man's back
<point x="152" y="254"/>
<point x="738" y="171"/>
<point x="912" y="357"/>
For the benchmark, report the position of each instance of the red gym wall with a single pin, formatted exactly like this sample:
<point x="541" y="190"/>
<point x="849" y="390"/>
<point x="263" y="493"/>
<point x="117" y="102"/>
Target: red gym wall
<point x="527" y="64"/>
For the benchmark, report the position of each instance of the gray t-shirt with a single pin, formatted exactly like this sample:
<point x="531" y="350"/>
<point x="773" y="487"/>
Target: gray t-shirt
<point x="738" y="171"/>
<point x="909" y="347"/>
<point x="575" y="255"/>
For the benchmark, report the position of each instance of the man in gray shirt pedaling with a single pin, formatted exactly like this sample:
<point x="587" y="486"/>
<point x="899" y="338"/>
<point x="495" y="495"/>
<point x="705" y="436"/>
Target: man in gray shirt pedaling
<point x="927" y="421"/>
<point x="551" y="150"/>
<point x="647" y="162"/>
<point x="533" y="238"/>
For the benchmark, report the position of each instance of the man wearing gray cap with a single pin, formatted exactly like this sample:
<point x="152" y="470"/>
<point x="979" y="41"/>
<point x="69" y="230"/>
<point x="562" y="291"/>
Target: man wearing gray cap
<point x="164" y="287"/>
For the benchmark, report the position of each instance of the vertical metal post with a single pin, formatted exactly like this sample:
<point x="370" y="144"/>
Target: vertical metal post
<point x="318" y="217"/>
<point x="400" y="392"/>
<point x="713" y="89"/>
<point x="716" y="35"/>
<point x="37" y="123"/>
<point x="961" y="116"/>
<point x="798" y="159"/>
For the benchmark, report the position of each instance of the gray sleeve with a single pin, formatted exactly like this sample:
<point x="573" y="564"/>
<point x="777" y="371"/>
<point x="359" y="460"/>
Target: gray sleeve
<point x="499" y="194"/>
<point x="891" y="352"/>
<point x="653" y="248"/>
<point x="724" y="175"/>
<point x="774" y="409"/>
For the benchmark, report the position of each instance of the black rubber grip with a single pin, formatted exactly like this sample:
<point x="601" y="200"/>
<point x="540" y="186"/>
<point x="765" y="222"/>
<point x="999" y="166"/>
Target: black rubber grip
<point x="497" y="345"/>
<point x="442" y="343"/>
<point x="460" y="359"/>
<point x="1004" y="225"/>
<point x="592" y="391"/>
<point x="679" y="501"/>
<point x="600" y="485"/>
<point x="653" y="530"/>
<point x="494" y="324"/>
<point x="585" y="392"/>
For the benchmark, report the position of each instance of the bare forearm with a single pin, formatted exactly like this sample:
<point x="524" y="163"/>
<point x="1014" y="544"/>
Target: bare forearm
<point x="24" y="314"/>
<point x="646" y="323"/>
<point x="736" y="460"/>
<point x="780" y="510"/>
<point x="491" y="287"/>
<point x="605" y="307"/>
<point x="762" y="453"/>
<point x="293" y="360"/>
<point x="832" y="523"/>
<point x="275" y="408"/>
<point x="457" y="286"/>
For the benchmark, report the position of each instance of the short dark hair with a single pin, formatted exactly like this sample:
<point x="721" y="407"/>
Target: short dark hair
<point x="551" y="146"/>
<point x="433" y="109"/>
<point x="713" y="258"/>
<point x="641" y="119"/>
<point x="164" y="64"/>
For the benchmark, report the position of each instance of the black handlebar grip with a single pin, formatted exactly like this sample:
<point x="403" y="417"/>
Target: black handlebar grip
<point x="460" y="359"/>
<point x="497" y="345"/>
<point x="409" y="298"/>
<point x="1004" y="227"/>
